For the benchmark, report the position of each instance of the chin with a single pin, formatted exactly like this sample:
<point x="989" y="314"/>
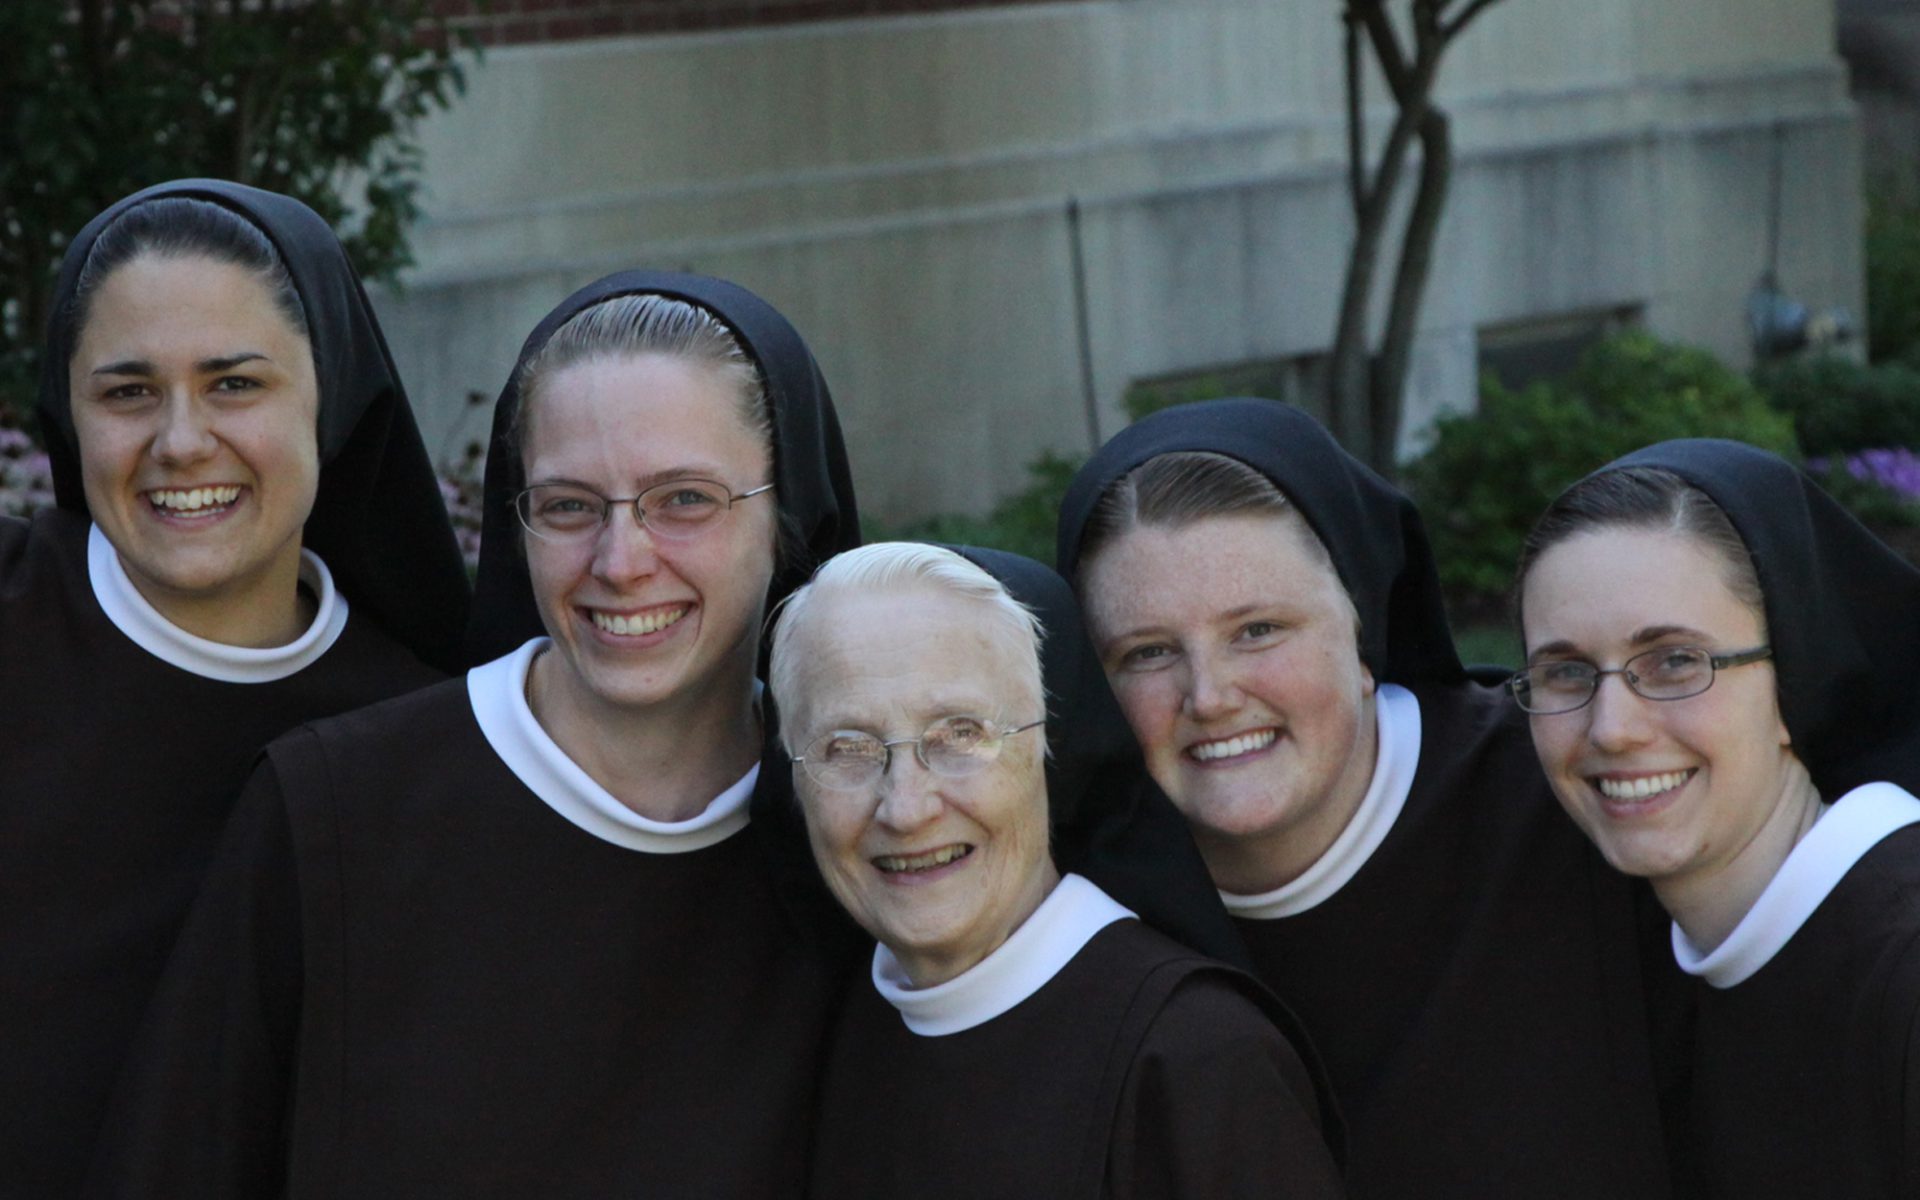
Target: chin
<point x="1242" y="816"/>
<point x="1641" y="859"/>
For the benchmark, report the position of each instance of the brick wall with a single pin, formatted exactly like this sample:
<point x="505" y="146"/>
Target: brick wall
<point x="512" y="22"/>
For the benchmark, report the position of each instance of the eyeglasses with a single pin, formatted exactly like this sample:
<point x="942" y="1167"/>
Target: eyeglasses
<point x="849" y="760"/>
<point x="678" y="509"/>
<point x="1667" y="673"/>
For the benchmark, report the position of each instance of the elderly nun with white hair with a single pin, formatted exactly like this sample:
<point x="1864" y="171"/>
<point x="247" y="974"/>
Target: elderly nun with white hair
<point x="1043" y="1018"/>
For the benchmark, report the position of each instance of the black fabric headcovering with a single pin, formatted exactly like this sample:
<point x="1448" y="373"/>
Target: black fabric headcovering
<point x="1371" y="529"/>
<point x="1843" y="612"/>
<point x="1111" y="822"/>
<point x="379" y="521"/>
<point x="814" y="488"/>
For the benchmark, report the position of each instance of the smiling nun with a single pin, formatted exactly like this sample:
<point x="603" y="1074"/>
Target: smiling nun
<point x="1269" y="614"/>
<point x="1721" y="682"/>
<point x="248" y="535"/>
<point x="514" y="935"/>
<point x="1024" y="1033"/>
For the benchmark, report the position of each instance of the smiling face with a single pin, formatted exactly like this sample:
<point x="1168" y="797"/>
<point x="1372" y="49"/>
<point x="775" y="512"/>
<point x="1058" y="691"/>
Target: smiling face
<point x="640" y="621"/>
<point x="940" y="870"/>
<point x="1673" y="790"/>
<point x="1234" y="651"/>
<point x="195" y="408"/>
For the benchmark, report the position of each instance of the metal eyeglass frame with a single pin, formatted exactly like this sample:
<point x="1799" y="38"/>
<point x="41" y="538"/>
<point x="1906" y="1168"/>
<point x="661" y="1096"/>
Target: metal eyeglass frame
<point x="611" y="503"/>
<point x="1716" y="663"/>
<point x="919" y="753"/>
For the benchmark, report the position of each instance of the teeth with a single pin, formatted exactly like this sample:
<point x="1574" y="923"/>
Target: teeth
<point x="639" y="623"/>
<point x="1642" y="787"/>
<point x="193" y="500"/>
<point x="922" y="862"/>
<point x="1232" y="747"/>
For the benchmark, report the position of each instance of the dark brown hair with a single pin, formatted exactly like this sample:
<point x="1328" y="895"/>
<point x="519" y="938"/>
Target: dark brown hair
<point x="1182" y="487"/>
<point x="185" y="227"/>
<point x="1643" y="498"/>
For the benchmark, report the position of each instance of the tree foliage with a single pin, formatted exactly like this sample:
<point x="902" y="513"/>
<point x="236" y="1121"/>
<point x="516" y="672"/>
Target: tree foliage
<point x="1893" y="280"/>
<point x="315" y="98"/>
<point x="1490" y="474"/>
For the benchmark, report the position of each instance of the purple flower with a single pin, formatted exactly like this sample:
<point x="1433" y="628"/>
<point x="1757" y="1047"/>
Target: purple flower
<point x="1896" y="469"/>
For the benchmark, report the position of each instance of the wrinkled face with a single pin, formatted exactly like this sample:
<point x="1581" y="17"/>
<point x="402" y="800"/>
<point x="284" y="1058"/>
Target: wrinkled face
<point x="195" y="407"/>
<point x="1233" y="649"/>
<point x="641" y="621"/>
<point x="1665" y="788"/>
<point x="939" y="869"/>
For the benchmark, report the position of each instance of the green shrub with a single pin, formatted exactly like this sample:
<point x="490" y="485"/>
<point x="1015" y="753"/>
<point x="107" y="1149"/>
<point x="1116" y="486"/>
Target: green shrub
<point x="1023" y="522"/>
<point x="1893" y="280"/>
<point x="1839" y="406"/>
<point x="1490" y="474"/>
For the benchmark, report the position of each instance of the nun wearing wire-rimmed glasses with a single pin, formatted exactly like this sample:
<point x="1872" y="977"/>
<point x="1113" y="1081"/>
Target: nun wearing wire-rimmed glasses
<point x="1040" y="1018"/>
<point x="516" y="935"/>
<point x="1721" y="687"/>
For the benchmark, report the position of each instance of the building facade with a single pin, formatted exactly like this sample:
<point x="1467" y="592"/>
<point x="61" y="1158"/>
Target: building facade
<point x="994" y="219"/>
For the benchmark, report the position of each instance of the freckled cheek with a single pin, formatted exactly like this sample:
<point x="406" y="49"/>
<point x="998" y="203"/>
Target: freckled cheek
<point x="1151" y="707"/>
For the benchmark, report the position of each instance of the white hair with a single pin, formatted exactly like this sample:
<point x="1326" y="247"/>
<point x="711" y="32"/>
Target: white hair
<point x="897" y="566"/>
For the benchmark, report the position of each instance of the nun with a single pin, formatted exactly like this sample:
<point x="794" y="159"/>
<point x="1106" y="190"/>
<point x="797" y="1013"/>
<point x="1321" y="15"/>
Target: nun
<point x="1024" y="1031"/>
<point x="248" y="535"/>
<point x="1268" y="612"/>
<point x="1720" y="682"/>
<point x="514" y="935"/>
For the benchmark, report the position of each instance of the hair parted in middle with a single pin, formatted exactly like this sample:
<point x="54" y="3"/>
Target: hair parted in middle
<point x="1651" y="498"/>
<point x="644" y="323"/>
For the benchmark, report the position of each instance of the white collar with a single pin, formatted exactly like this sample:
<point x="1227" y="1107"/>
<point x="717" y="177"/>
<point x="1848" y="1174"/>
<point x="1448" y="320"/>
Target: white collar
<point x="132" y="615"/>
<point x="498" y="693"/>
<point x="1020" y="966"/>
<point x="1397" y="717"/>
<point x="1854" y="824"/>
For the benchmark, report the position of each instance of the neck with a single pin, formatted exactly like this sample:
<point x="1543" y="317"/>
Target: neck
<point x="271" y="610"/>
<point x="1709" y="901"/>
<point x="935" y="966"/>
<point x="665" y="761"/>
<point x="1263" y="862"/>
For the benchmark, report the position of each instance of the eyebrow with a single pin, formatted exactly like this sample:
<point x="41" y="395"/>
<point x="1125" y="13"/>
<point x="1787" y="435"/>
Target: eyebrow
<point x="1641" y="637"/>
<point x="206" y="366"/>
<point x="644" y="482"/>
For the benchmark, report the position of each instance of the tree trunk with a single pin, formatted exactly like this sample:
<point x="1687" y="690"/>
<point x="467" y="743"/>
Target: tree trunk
<point x="1350" y="372"/>
<point x="1409" y="287"/>
<point x="1364" y="391"/>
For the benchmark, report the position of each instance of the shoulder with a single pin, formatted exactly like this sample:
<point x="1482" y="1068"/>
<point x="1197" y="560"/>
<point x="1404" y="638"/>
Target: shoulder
<point x="1211" y="1010"/>
<point x="49" y="551"/>
<point x="368" y="651"/>
<point x="422" y="723"/>
<point x="1469" y="718"/>
<point x="1195" y="1010"/>
<point x="1476" y="749"/>
<point x="1217" y="1097"/>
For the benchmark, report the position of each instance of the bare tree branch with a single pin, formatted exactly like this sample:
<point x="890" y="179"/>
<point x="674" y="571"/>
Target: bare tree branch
<point x="1451" y="29"/>
<point x="1356" y="116"/>
<point x="1389" y="381"/>
<point x="1386" y="47"/>
<point x="1364" y="389"/>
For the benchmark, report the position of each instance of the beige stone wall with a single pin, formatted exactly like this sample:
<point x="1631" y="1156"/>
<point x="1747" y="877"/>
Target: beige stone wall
<point x="898" y="186"/>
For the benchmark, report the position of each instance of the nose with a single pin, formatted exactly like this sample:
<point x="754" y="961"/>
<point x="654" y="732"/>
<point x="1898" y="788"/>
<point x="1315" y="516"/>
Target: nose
<point x="185" y="434"/>
<point x="907" y="798"/>
<point x="1617" y="717"/>
<point x="1211" y="689"/>
<point x="623" y="550"/>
